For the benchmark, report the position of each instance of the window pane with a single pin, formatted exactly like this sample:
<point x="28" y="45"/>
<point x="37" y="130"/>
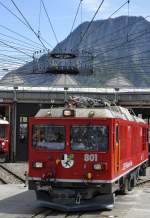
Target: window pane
<point x="2" y="132"/>
<point x="117" y="134"/>
<point x="48" y="137"/>
<point x="23" y="130"/>
<point x="89" y="138"/>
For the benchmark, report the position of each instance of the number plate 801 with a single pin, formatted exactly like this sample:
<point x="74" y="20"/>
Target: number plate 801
<point x="90" y="157"/>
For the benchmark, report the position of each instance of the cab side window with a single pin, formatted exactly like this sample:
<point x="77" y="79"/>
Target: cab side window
<point x="117" y="134"/>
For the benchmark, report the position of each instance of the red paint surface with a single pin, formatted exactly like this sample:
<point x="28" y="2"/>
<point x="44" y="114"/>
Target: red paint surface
<point x="131" y="150"/>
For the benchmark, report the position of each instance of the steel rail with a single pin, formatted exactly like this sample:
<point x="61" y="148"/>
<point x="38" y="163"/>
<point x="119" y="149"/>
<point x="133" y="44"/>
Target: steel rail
<point x="12" y="173"/>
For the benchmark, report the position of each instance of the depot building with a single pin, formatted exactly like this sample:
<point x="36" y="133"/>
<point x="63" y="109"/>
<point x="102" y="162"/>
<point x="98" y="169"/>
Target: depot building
<point x="18" y="103"/>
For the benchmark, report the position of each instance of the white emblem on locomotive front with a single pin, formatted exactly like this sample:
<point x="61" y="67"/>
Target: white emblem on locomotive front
<point x="67" y="161"/>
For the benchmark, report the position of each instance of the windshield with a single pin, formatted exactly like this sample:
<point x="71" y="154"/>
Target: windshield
<point x="51" y="137"/>
<point x="2" y="132"/>
<point x="89" y="138"/>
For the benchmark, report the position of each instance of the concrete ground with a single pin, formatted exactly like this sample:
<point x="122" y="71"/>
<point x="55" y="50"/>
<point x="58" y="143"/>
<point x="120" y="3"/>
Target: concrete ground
<point x="17" y="202"/>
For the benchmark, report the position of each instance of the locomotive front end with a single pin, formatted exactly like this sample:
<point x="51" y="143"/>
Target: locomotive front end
<point x="80" y="156"/>
<point x="69" y="162"/>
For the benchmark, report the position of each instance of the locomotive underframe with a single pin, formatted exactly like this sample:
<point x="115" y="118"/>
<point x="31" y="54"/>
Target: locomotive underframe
<point x="69" y="196"/>
<point x="73" y="196"/>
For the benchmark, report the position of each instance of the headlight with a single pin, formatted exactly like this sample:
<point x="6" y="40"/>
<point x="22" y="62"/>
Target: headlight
<point x="98" y="166"/>
<point x="68" y="113"/>
<point x="3" y="143"/>
<point x="37" y="164"/>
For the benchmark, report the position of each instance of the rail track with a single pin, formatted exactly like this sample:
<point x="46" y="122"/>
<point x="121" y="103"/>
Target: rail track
<point x="9" y="177"/>
<point x="49" y="213"/>
<point x="42" y="213"/>
<point x="143" y="182"/>
<point x="2" y="181"/>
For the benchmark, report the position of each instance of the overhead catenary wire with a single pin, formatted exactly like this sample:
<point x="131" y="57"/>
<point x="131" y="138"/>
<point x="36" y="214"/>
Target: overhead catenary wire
<point x="25" y="23"/>
<point x="16" y="58"/>
<point x="10" y="61"/>
<point x="18" y="44"/>
<point x="29" y="51"/>
<point x="109" y="67"/>
<point x="124" y="43"/>
<point x="126" y="2"/>
<point x="27" y="72"/>
<point x="15" y="48"/>
<point x="5" y="63"/>
<point x="33" y="77"/>
<point x="109" y="42"/>
<point x="89" y="25"/>
<point x="28" y="24"/>
<point x="15" y="45"/>
<point x="78" y="8"/>
<point x="44" y="40"/>
<point x="18" y="18"/>
<point x="6" y="68"/>
<point x="116" y="31"/>
<point x="10" y="65"/>
<point x="20" y="35"/>
<point x="19" y="40"/>
<point x="136" y="37"/>
<point x="128" y="19"/>
<point x="81" y="11"/>
<point x="125" y="63"/>
<point x="119" y="44"/>
<point x="125" y="68"/>
<point x="50" y="22"/>
<point x="72" y="27"/>
<point x="39" y="24"/>
<point x="4" y="50"/>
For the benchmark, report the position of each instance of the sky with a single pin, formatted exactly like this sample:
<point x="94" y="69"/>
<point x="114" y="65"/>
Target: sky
<point x="61" y="13"/>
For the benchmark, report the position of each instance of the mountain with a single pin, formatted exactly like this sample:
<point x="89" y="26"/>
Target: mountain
<point x="112" y="53"/>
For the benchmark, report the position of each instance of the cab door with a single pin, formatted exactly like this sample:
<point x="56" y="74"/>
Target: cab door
<point x="117" y="149"/>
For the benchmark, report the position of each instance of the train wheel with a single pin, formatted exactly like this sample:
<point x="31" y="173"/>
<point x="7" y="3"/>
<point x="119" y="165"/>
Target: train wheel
<point x="144" y="171"/>
<point x="127" y="186"/>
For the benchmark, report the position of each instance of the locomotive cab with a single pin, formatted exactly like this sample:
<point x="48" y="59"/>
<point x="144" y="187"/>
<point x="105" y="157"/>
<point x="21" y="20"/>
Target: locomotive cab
<point x="75" y="156"/>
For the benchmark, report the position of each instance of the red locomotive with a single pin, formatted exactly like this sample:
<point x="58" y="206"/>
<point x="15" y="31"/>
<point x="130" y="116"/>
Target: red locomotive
<point x="4" y="140"/>
<point x="79" y="157"/>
